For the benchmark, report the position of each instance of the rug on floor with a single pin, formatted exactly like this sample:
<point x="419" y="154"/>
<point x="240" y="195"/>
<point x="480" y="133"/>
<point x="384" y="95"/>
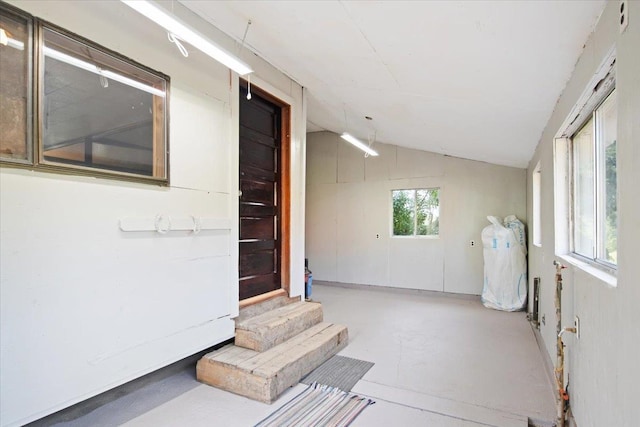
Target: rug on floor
<point x="339" y="372"/>
<point x="318" y="405"/>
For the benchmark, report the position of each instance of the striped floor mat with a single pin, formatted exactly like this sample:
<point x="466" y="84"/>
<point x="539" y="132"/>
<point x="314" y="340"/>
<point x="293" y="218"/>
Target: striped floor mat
<point x="318" y="405"/>
<point x="339" y="372"/>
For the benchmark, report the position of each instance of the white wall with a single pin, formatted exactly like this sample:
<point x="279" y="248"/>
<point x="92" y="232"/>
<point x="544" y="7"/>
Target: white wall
<point x="349" y="215"/>
<point x="603" y="365"/>
<point x="85" y="306"/>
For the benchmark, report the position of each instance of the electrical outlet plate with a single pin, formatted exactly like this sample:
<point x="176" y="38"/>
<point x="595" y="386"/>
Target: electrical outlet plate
<point x="472" y="243"/>
<point x="576" y="324"/>
<point x="623" y="15"/>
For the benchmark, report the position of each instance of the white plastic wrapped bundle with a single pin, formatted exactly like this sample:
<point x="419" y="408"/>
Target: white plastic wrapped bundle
<point x="505" y="264"/>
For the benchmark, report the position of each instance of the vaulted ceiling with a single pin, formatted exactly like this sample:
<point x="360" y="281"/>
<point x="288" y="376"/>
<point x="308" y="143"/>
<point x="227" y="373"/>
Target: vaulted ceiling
<point x="473" y="79"/>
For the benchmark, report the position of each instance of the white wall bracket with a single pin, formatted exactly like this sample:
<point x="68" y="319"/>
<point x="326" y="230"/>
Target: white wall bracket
<point x="163" y="224"/>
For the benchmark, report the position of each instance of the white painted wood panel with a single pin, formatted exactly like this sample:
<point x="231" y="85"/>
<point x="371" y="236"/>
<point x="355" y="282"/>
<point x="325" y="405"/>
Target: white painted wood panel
<point x="602" y="364"/>
<point x="416" y="263"/>
<point x="86" y="306"/>
<point x="325" y="171"/>
<point x="362" y="245"/>
<point x="350" y="162"/>
<point x="321" y="228"/>
<point x="377" y="168"/>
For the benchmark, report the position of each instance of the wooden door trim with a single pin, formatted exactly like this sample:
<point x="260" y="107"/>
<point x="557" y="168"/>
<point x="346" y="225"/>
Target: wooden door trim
<point x="284" y="194"/>
<point x="263" y="297"/>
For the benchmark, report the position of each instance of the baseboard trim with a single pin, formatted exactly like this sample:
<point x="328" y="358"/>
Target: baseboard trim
<point x="549" y="368"/>
<point x="394" y="289"/>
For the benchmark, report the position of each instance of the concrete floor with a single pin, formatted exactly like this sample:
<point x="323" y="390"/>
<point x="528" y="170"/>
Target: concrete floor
<point x="440" y="360"/>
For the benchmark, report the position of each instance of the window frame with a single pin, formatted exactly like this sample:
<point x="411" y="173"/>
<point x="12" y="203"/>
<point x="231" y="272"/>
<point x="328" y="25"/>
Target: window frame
<point x="536" y="202"/>
<point x="415" y="216"/>
<point x="598" y="168"/>
<point x="602" y="82"/>
<point x="18" y="14"/>
<point x="35" y="96"/>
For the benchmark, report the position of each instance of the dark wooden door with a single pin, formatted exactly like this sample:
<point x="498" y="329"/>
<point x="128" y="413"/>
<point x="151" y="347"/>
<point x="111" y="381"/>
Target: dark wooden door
<point x="260" y="171"/>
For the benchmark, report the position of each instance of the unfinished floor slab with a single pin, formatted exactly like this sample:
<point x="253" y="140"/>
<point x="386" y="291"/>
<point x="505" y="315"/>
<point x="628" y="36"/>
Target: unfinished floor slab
<point x="442" y="345"/>
<point x="440" y="360"/>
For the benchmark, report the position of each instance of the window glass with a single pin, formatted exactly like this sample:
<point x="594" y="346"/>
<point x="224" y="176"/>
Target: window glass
<point x="416" y="212"/>
<point x="403" y="212"/>
<point x="100" y="112"/>
<point x="427" y="212"/>
<point x="584" y="195"/>
<point x="15" y="88"/>
<point x="595" y="184"/>
<point x="606" y="117"/>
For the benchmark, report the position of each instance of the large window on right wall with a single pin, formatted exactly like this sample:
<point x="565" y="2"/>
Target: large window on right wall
<point x="594" y="183"/>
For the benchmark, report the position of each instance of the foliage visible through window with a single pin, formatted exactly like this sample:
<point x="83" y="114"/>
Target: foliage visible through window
<point x="416" y="212"/>
<point x="96" y="112"/>
<point x="595" y="207"/>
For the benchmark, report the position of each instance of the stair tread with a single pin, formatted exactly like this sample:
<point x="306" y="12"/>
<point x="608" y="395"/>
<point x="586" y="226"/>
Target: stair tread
<point x="272" y="367"/>
<point x="265" y="375"/>
<point x="253" y="361"/>
<point x="265" y="306"/>
<point x="277" y="316"/>
<point x="262" y="332"/>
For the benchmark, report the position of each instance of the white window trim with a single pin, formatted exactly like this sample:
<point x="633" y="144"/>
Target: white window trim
<point x="536" y="183"/>
<point x="604" y="81"/>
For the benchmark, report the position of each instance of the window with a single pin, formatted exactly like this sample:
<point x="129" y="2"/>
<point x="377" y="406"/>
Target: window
<point x="594" y="189"/>
<point x="15" y="89"/>
<point x="96" y="113"/>
<point x="416" y="212"/>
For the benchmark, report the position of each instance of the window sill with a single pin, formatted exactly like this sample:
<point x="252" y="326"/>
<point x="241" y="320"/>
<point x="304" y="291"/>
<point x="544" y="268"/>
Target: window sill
<point x="596" y="272"/>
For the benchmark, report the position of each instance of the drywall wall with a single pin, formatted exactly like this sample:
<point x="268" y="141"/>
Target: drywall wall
<point x="602" y="365"/>
<point x="85" y="306"/>
<point x="349" y="215"/>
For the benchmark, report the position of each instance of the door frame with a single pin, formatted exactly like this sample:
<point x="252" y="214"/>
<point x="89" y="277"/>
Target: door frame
<point x="284" y="196"/>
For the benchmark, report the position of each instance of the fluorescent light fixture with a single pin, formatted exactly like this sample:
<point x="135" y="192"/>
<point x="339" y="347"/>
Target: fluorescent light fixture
<point x="16" y="44"/>
<point x="188" y="35"/>
<point x="5" y="40"/>
<point x="72" y="60"/>
<point x="361" y="145"/>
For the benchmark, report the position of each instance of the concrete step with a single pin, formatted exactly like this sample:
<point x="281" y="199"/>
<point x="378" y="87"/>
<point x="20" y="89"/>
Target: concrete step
<point x="264" y="376"/>
<point x="267" y="330"/>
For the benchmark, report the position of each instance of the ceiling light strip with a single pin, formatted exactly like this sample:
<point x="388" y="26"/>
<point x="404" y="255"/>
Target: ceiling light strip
<point x="184" y="33"/>
<point x="72" y="60"/>
<point x="16" y="44"/>
<point x="361" y="145"/>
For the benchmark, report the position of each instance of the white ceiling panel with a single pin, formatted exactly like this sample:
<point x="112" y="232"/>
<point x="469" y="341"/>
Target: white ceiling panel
<point x="474" y="79"/>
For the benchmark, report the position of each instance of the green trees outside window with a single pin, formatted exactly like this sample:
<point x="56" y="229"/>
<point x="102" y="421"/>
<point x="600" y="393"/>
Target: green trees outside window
<point x="416" y="212"/>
